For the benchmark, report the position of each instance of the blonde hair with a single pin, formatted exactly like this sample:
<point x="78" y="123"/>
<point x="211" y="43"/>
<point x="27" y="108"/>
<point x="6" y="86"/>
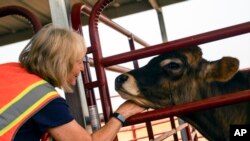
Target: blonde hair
<point x="51" y="54"/>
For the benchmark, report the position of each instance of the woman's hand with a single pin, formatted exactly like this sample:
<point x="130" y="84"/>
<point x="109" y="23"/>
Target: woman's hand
<point x="129" y="108"/>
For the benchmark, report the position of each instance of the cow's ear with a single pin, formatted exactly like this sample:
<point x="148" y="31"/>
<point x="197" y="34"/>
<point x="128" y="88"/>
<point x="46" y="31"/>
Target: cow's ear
<point x="222" y="70"/>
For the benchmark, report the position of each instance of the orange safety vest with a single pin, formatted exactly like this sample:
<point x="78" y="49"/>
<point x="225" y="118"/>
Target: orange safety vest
<point x="21" y="95"/>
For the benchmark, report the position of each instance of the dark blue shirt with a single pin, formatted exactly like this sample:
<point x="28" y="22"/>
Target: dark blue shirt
<point x="55" y="113"/>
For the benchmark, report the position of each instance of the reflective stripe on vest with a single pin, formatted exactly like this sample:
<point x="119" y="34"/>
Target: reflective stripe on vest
<point x="26" y="103"/>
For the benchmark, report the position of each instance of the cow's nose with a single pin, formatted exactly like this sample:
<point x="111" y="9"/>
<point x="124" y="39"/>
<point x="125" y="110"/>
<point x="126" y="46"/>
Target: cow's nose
<point x="120" y="80"/>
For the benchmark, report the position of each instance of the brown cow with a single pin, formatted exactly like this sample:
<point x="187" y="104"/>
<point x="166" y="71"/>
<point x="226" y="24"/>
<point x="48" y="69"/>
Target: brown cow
<point x="183" y="76"/>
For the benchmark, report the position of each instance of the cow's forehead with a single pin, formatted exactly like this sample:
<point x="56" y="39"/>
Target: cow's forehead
<point x="191" y="55"/>
<point x="169" y="55"/>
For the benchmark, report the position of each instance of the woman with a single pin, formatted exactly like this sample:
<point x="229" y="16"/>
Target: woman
<point x="29" y="103"/>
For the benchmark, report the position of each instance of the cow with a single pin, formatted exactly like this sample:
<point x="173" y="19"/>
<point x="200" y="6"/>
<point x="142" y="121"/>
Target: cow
<point x="183" y="76"/>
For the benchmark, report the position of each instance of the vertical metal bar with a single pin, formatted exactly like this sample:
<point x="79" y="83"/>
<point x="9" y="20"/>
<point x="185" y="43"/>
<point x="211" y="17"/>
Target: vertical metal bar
<point x="59" y="13"/>
<point x="100" y="72"/>
<point x="89" y="91"/>
<point x="91" y="100"/>
<point x="68" y="11"/>
<point x="189" y="137"/>
<point x="132" y="47"/>
<point x="172" y="121"/>
<point x="162" y="26"/>
<point x="149" y="130"/>
<point x="133" y="132"/>
<point x="184" y="132"/>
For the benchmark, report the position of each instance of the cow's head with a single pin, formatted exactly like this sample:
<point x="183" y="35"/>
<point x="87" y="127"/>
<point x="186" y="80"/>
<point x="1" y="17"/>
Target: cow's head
<point x="173" y="78"/>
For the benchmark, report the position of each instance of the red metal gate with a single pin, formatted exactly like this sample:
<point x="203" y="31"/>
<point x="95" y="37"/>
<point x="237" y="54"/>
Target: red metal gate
<point x="100" y="63"/>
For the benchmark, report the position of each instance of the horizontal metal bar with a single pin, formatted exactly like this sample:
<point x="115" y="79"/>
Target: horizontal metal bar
<point x="177" y="44"/>
<point x="233" y="98"/>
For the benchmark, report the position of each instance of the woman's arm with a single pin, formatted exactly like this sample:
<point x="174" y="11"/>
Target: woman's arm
<point x="73" y="131"/>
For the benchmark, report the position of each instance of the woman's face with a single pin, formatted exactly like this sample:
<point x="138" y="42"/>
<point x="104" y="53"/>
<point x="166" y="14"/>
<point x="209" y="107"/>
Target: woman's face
<point x="77" y="68"/>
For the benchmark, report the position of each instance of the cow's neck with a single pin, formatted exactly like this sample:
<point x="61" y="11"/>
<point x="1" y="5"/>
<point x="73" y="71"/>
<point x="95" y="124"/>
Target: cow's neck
<point x="241" y="81"/>
<point x="204" y="122"/>
<point x="208" y="121"/>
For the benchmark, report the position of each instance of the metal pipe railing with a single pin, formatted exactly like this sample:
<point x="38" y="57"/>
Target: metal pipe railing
<point x="21" y="11"/>
<point x="87" y="10"/>
<point x="232" y="98"/>
<point x="177" y="44"/>
<point x="158" y="49"/>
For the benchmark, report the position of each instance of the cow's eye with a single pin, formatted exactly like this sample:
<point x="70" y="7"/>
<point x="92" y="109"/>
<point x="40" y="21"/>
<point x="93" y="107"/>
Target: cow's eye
<point x="173" y="70"/>
<point x="173" y="65"/>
